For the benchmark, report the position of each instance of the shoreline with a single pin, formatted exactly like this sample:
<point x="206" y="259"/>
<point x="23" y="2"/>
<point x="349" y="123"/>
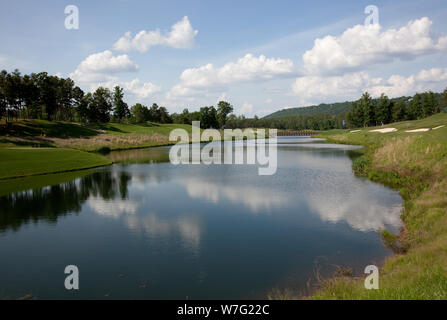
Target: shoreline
<point x="382" y="182"/>
<point x="415" y="166"/>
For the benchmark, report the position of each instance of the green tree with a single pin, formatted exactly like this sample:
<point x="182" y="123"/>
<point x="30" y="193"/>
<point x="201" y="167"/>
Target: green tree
<point x="398" y="111"/>
<point x="415" y="110"/>
<point x="30" y="94"/>
<point x="101" y="105"/>
<point x="429" y="104"/>
<point x="186" y="117"/>
<point x="78" y="95"/>
<point x="208" y="118"/>
<point x="120" y="108"/>
<point x="383" y="110"/>
<point x="355" y="115"/>
<point x="3" y="97"/>
<point x="154" y="113"/>
<point x="366" y="105"/>
<point x="84" y="105"/>
<point x="443" y="100"/>
<point x="64" y="96"/>
<point x="48" y="94"/>
<point x="164" y="115"/>
<point x="140" y="113"/>
<point x="13" y="88"/>
<point x="223" y="110"/>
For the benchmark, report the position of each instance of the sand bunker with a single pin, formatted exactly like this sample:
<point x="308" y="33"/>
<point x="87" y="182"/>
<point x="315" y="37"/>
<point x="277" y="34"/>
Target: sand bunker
<point x="386" y="130"/>
<point x="353" y="131"/>
<point x="419" y="130"/>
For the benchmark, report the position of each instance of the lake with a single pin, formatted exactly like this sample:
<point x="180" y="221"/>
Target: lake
<point x="146" y="229"/>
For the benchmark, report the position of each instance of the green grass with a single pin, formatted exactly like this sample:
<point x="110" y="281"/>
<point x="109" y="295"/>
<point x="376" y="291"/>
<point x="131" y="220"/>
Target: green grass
<point x="415" y="164"/>
<point x="22" y="162"/>
<point x="34" y="147"/>
<point x="56" y="129"/>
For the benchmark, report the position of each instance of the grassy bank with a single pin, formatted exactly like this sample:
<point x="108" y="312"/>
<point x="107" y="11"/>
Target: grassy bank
<point x="22" y="162"/>
<point x="91" y="138"/>
<point x="416" y="164"/>
<point x="35" y="147"/>
<point x="42" y="137"/>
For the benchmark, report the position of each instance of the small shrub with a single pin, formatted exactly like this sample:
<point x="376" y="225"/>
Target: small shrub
<point x="360" y="165"/>
<point x="104" y="150"/>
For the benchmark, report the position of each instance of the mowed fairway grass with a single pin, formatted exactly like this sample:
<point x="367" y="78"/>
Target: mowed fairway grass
<point x="416" y="164"/>
<point x="22" y="162"/>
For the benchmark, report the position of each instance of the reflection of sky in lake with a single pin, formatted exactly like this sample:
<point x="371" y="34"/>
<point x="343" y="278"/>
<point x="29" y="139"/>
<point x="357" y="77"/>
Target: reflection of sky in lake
<point x="330" y="189"/>
<point x="218" y="231"/>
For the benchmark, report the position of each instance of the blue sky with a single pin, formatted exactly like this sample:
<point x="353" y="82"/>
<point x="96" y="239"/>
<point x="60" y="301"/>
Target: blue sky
<point x="259" y="55"/>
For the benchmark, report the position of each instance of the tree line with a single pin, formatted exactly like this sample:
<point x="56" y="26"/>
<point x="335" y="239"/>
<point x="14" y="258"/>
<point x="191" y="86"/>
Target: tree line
<point x="364" y="112"/>
<point x="368" y="112"/>
<point x="43" y="96"/>
<point x="209" y="117"/>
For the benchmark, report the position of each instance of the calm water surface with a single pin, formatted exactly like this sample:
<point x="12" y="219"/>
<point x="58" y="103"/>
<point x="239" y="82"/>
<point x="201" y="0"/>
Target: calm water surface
<point x="145" y="229"/>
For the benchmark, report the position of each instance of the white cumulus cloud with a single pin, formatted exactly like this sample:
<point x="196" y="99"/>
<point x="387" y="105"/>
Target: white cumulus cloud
<point x="246" y="69"/>
<point x="311" y="88"/>
<point x="136" y="88"/>
<point x="362" y="46"/>
<point x="315" y="89"/>
<point x="100" y="69"/>
<point x="141" y="90"/>
<point x="98" y="66"/>
<point x="106" y="62"/>
<point x="181" y="35"/>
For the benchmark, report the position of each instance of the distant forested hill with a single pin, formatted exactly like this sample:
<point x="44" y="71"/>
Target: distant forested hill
<point x="324" y="108"/>
<point x="332" y="109"/>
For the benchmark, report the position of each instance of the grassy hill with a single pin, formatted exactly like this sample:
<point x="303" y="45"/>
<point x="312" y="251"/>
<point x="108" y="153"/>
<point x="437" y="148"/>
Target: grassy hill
<point x="332" y="109"/>
<point x="92" y="137"/>
<point x="36" y="147"/>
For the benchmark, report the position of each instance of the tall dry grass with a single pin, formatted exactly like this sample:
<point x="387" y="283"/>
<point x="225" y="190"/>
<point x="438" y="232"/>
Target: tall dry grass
<point x="113" y="142"/>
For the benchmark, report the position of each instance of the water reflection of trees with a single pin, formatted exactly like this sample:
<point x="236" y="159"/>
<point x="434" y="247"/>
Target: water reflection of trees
<point x="49" y="203"/>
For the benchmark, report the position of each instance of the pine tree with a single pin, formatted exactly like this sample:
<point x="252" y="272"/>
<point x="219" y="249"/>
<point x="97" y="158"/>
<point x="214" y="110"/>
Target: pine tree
<point x="443" y="101"/>
<point x="355" y="115"/>
<point x="415" y="110"/>
<point x="429" y="103"/>
<point x="367" y="108"/>
<point x="383" y="110"/>
<point x="398" y="111"/>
